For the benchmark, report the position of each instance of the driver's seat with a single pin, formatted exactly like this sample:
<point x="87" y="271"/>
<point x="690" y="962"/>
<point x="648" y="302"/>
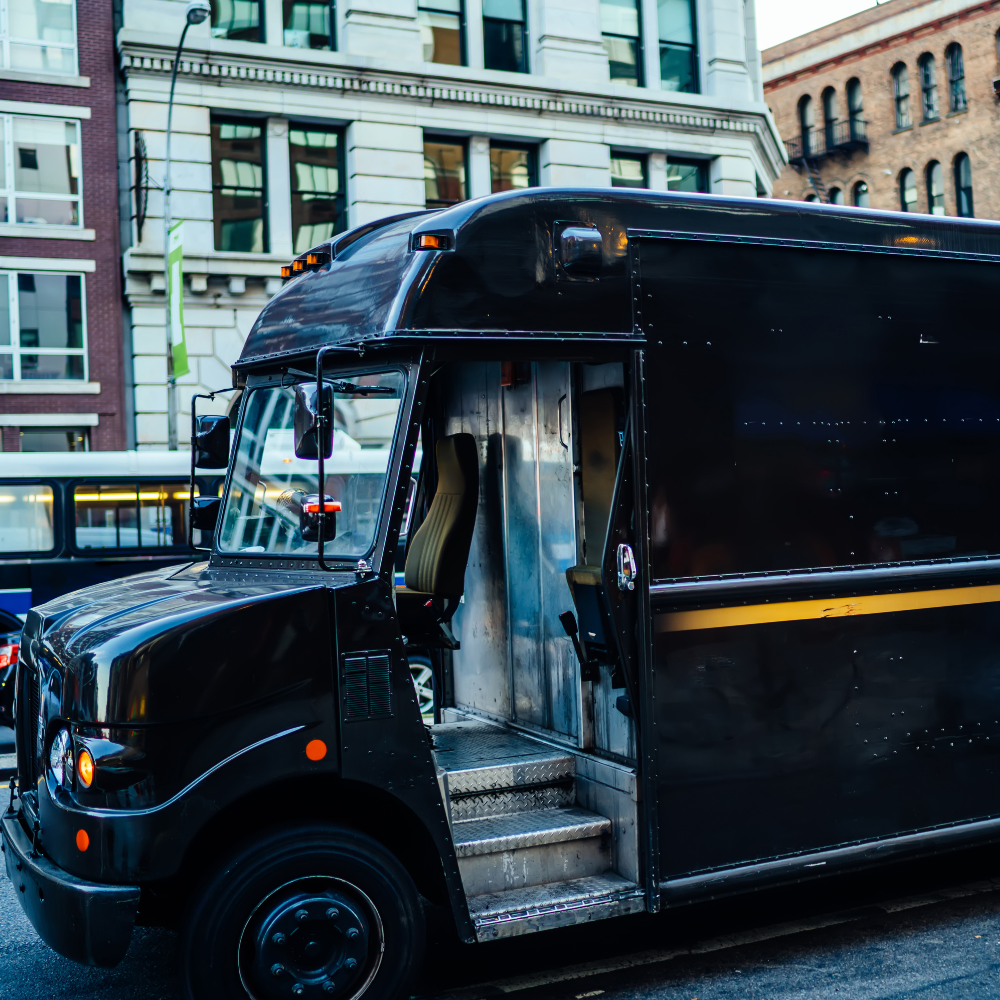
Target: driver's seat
<point x="434" y="576"/>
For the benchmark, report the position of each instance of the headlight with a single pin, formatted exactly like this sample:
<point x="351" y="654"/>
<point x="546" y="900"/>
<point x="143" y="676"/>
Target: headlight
<point x="61" y="758"/>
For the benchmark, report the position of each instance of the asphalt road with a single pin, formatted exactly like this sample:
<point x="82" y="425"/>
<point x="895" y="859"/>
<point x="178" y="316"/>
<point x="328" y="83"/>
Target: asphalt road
<point x="927" y="931"/>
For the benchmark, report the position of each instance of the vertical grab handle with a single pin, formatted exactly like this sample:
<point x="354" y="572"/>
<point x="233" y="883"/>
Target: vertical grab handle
<point x="626" y="567"/>
<point x="562" y="440"/>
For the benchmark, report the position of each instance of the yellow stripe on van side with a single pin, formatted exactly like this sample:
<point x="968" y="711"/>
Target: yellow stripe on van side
<point x="796" y="611"/>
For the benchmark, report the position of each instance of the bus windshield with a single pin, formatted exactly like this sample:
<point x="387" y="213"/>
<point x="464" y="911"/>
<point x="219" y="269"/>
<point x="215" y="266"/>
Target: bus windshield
<point x="269" y="484"/>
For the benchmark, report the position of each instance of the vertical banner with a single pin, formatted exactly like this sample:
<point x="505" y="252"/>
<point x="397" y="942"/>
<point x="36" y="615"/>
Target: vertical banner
<point x="175" y="266"/>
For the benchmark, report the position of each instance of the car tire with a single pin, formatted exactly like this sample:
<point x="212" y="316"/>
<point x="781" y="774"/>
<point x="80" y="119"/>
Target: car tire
<point x="316" y="911"/>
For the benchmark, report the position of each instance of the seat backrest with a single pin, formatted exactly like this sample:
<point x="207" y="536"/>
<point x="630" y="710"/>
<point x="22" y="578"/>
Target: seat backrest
<point x="439" y="551"/>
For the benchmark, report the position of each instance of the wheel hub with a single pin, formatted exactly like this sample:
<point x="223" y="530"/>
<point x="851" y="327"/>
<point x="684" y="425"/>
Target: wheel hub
<point x="311" y="938"/>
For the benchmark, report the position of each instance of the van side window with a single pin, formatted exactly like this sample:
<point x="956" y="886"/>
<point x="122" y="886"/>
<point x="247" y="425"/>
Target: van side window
<point x="26" y="519"/>
<point x="130" y="515"/>
<point x="789" y="435"/>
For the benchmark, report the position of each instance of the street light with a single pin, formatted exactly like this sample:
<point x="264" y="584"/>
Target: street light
<point x="197" y="11"/>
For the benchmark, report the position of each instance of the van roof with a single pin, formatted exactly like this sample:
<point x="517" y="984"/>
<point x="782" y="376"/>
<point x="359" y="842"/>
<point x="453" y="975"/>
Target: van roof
<point x="499" y="277"/>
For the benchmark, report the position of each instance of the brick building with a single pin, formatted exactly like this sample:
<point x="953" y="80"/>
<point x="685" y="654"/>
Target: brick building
<point x="893" y="107"/>
<point x="61" y="371"/>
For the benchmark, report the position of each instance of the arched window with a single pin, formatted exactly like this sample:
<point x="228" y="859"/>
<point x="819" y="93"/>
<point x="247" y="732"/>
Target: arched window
<point x="907" y="190"/>
<point x="855" y="110"/>
<point x="998" y="48"/>
<point x="860" y="194"/>
<point x="935" y="188"/>
<point x="810" y="197"/>
<point x="807" y="122"/>
<point x="963" y="185"/>
<point x="928" y="87"/>
<point x="901" y="94"/>
<point x="830" y="117"/>
<point x="956" y="76"/>
<point x="836" y="196"/>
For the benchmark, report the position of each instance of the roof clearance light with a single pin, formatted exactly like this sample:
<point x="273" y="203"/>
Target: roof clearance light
<point x="85" y="768"/>
<point x="428" y="241"/>
<point x="314" y="259"/>
<point x="330" y="507"/>
<point x="298" y="265"/>
<point x="286" y="272"/>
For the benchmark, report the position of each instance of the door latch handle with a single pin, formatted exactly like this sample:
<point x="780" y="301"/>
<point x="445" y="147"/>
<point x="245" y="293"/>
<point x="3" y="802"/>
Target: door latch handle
<point x="626" y="567"/>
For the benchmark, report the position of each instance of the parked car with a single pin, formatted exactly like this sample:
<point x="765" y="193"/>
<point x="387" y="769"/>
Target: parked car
<point x="10" y="638"/>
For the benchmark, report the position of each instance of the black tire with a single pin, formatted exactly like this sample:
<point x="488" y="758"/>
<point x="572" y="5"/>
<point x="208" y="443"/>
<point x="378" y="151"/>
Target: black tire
<point x="286" y="914"/>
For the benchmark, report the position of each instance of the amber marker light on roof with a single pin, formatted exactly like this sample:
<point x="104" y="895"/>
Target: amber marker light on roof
<point x="428" y="241"/>
<point x="314" y="258"/>
<point x="286" y="271"/>
<point x="85" y="768"/>
<point x="315" y="749"/>
<point x="82" y="840"/>
<point x="298" y="265"/>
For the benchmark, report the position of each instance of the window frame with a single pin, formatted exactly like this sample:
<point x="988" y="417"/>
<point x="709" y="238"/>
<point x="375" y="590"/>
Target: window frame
<point x="261" y="123"/>
<point x="331" y="5"/>
<point x="462" y="29"/>
<point x="928" y="90"/>
<point x="122" y="481"/>
<point x="642" y="158"/>
<point x="860" y="188"/>
<point x="6" y="39"/>
<point x="957" y="98"/>
<point x="515" y="147"/>
<point x="960" y="191"/>
<point x="57" y="517"/>
<point x="702" y="166"/>
<point x="928" y="174"/>
<point x="694" y="52"/>
<point x="900" y="97"/>
<point x="15" y="350"/>
<point x="451" y="140"/>
<point x="905" y="173"/>
<point x="341" y="196"/>
<point x="10" y="193"/>
<point x="640" y="63"/>
<point x="525" y="60"/>
<point x="261" y="26"/>
<point x="807" y="129"/>
<point x="854" y="114"/>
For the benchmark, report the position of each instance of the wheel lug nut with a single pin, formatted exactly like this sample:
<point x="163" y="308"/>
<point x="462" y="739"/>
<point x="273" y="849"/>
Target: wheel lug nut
<point x="329" y="986"/>
<point x="278" y="938"/>
<point x="352" y="934"/>
<point x="332" y="913"/>
<point x="277" y="969"/>
<point x="298" y="989"/>
<point x="351" y="963"/>
<point x="301" y="915"/>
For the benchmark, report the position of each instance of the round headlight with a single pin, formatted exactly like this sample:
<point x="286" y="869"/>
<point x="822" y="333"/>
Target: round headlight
<point x="61" y="758"/>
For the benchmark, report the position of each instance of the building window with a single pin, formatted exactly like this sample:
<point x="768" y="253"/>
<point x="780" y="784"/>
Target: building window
<point x="308" y="24"/>
<point x="928" y="87"/>
<point x="130" y="515"/>
<point x="628" y="171"/>
<point x="444" y="173"/>
<point x="810" y="198"/>
<point x="620" y="30"/>
<point x="39" y="36"/>
<point x="26" y="518"/>
<point x="807" y="125"/>
<point x="935" y="188"/>
<point x="512" y="168"/>
<point x="441" y="31"/>
<point x="963" y="185"/>
<point x="687" y="175"/>
<point x="830" y="117"/>
<point x="238" y="199"/>
<point x="54" y="439"/>
<point x="42" y="334"/>
<point x="901" y="94"/>
<point x="317" y="192"/>
<point x="835" y="196"/>
<point x="859" y="195"/>
<point x="956" y="76"/>
<point x="237" y="19"/>
<point x="907" y="191"/>
<point x="855" y="109"/>
<point x="39" y="171"/>
<point x="678" y="45"/>
<point x="504" y="36"/>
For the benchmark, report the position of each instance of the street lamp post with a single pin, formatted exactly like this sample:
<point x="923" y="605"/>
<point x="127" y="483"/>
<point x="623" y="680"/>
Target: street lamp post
<point x="197" y="11"/>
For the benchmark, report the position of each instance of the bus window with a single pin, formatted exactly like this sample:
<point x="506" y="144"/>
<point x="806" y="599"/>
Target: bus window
<point x="26" y="519"/>
<point x="130" y="515"/>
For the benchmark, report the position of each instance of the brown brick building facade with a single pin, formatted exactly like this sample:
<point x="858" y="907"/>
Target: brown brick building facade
<point x="886" y="105"/>
<point x="59" y="235"/>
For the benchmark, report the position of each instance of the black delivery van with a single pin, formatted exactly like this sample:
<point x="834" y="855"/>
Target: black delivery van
<point x="704" y="551"/>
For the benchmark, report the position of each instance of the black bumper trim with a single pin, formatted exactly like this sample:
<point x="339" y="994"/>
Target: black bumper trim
<point x="85" y="921"/>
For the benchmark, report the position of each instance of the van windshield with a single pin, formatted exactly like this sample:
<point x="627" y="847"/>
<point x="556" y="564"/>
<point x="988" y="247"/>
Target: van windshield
<point x="269" y="484"/>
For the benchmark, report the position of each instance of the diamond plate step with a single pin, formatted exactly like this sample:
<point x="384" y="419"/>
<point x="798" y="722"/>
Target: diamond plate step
<point x="530" y="799"/>
<point x="517" y="831"/>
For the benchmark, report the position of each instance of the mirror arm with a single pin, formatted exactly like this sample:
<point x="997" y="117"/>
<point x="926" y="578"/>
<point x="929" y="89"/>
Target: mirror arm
<point x="194" y="435"/>
<point x="321" y="450"/>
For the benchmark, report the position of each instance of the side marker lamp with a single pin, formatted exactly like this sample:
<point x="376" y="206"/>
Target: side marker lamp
<point x="330" y="507"/>
<point x="85" y="767"/>
<point x="430" y="241"/>
<point x="82" y="840"/>
<point x="315" y="749"/>
<point x="298" y="265"/>
<point x="286" y="271"/>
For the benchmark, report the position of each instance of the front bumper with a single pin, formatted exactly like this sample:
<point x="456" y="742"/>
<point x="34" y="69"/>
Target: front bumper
<point x="85" y="921"/>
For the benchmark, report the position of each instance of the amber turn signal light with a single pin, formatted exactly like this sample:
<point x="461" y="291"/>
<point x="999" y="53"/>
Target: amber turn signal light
<point x="428" y="241"/>
<point x="286" y="272"/>
<point x="315" y="749"/>
<point x="298" y="265"/>
<point x="82" y="840"/>
<point x="85" y="768"/>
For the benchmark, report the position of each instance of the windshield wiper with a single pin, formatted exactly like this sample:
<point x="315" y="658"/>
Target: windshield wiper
<point x="348" y="387"/>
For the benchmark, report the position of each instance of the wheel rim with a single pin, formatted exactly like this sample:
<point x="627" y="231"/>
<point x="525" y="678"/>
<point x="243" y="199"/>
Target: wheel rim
<point x="318" y="937"/>
<point x="423" y="684"/>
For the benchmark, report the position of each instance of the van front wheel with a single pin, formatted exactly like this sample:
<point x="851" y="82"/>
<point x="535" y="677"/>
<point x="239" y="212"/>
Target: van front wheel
<point x="318" y="912"/>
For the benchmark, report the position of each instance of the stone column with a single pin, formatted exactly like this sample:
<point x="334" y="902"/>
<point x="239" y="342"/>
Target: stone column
<point x="279" y="188"/>
<point x="721" y="33"/>
<point x="385" y="29"/>
<point x="656" y="168"/>
<point x="274" y="27"/>
<point x="565" y="163"/>
<point x="385" y="170"/>
<point x="733" y="175"/>
<point x="567" y="37"/>
<point x="480" y="178"/>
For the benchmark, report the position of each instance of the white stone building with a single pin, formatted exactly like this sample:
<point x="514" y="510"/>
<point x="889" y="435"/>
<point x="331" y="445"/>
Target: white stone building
<point x="278" y="144"/>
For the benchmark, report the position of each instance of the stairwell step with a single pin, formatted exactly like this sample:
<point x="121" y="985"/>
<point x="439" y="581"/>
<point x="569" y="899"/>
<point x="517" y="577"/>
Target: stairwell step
<point x="517" y="831"/>
<point x="531" y="798"/>
<point x="514" y="902"/>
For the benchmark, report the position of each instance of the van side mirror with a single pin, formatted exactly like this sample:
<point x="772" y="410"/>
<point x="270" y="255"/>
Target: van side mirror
<point x="211" y="442"/>
<point x="205" y="512"/>
<point x="306" y="421"/>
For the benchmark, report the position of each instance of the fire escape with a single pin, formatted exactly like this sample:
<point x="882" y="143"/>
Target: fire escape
<point x="836" y="138"/>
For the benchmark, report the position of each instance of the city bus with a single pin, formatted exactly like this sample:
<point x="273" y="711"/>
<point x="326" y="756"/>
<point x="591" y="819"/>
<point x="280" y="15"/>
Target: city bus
<point x="703" y="550"/>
